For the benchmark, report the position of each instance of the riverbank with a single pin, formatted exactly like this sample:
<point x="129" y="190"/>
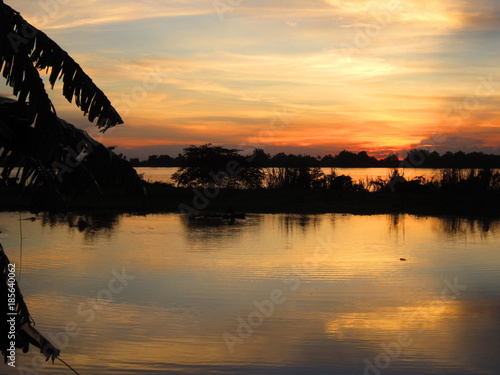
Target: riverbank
<point x="166" y="198"/>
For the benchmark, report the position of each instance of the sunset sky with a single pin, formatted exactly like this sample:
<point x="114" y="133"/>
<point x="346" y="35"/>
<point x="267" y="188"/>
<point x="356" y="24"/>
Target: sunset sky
<point x="315" y="76"/>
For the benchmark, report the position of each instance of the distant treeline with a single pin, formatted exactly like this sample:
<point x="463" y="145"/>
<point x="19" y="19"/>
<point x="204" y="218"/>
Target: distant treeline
<point x="417" y="158"/>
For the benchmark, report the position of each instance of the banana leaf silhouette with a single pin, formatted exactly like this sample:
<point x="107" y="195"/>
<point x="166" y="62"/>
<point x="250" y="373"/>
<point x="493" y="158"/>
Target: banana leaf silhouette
<point x="51" y="156"/>
<point x="25" y="333"/>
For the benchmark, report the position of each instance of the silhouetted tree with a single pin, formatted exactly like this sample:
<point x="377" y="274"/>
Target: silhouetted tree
<point x="259" y="158"/>
<point x="216" y="166"/>
<point x="391" y="161"/>
<point x="433" y="160"/>
<point x="420" y="158"/>
<point x="327" y="161"/>
<point x="350" y="159"/>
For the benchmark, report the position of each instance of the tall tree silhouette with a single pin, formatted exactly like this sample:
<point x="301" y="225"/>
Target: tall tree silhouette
<point x="216" y="166"/>
<point x="55" y="156"/>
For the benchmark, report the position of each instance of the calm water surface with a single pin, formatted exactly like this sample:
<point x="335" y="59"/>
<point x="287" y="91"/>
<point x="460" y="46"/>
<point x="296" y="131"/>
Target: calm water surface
<point x="165" y="174"/>
<point x="273" y="294"/>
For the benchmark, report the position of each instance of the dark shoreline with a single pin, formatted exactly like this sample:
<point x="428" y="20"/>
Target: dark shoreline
<point x="165" y="198"/>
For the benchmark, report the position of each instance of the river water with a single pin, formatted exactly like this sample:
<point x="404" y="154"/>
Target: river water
<point x="271" y="294"/>
<point x="165" y="174"/>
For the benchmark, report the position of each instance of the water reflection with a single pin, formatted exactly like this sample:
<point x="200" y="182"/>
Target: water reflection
<point x="208" y="233"/>
<point x="461" y="226"/>
<point x="345" y="298"/>
<point x="303" y="223"/>
<point x="90" y="225"/>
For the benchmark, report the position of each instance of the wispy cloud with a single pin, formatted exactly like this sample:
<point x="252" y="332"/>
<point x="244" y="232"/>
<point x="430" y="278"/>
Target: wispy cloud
<point x="63" y="15"/>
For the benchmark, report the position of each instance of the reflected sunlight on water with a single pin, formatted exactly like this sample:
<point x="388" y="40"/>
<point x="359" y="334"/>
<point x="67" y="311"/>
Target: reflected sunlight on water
<point x="272" y="294"/>
<point x="164" y="174"/>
